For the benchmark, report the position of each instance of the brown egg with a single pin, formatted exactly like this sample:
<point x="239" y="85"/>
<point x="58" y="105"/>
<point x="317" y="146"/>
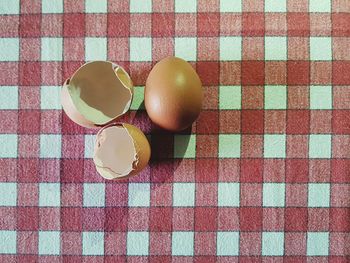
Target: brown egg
<point x="121" y="150"/>
<point x="97" y="94"/>
<point x="173" y="94"/>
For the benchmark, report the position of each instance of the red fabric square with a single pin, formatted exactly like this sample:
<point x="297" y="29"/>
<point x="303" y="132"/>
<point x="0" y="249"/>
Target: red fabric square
<point x="208" y="24"/>
<point x="250" y="218"/>
<point x="185" y="170"/>
<point x="71" y="243"/>
<point x="118" y="49"/>
<point x="28" y="98"/>
<point x="9" y="73"/>
<point x="161" y="194"/>
<point x="72" y="171"/>
<point x="251" y="194"/>
<point x="205" y="244"/>
<point x="274" y="170"/>
<point x="50" y="121"/>
<point x="339" y="245"/>
<point x="320" y="170"/>
<point x="252" y="170"/>
<point x="51" y="73"/>
<point x="10" y="26"/>
<point x="207" y="48"/>
<point x="30" y="25"/>
<point x="207" y="122"/>
<point x="74" y="25"/>
<point x="27" y="194"/>
<point x="295" y="244"/>
<point x="49" y="218"/>
<point x="49" y="170"/>
<point x="205" y="218"/>
<point x="138" y="219"/>
<point x="206" y="194"/>
<point x="29" y="122"/>
<point x="276" y="24"/>
<point x="161" y="48"/>
<point x="230" y="121"/>
<point x="341" y="72"/>
<point x="27" y="243"/>
<point x="163" y="24"/>
<point x="253" y="24"/>
<point x="73" y="49"/>
<point x="296" y="219"/>
<point x="252" y="146"/>
<point x="112" y="238"/>
<point x="252" y="97"/>
<point x="117" y="194"/>
<point x="8" y="123"/>
<point x="73" y="146"/>
<point x="28" y="146"/>
<point x="298" y="121"/>
<point x="298" y="97"/>
<point x="30" y="49"/>
<point x="340" y="146"/>
<point x="30" y="73"/>
<point x="28" y="218"/>
<point x="162" y="6"/>
<point x="69" y="127"/>
<point x="253" y="73"/>
<point x="321" y="72"/>
<point x="273" y="219"/>
<point x="228" y="219"/>
<point x="341" y="121"/>
<point x="318" y="219"/>
<point x="275" y="121"/>
<point x="95" y="25"/>
<point x="298" y="48"/>
<point x="161" y="171"/>
<point x="206" y="170"/>
<point x="230" y="24"/>
<point x="275" y="72"/>
<point x="93" y="219"/>
<point x="28" y="170"/>
<point x="229" y="170"/>
<point x="51" y="25"/>
<point x="341" y="97"/>
<point x="297" y="170"/>
<point x="298" y="24"/>
<point x="71" y="219"/>
<point x="8" y="218"/>
<point x="339" y="218"/>
<point x="73" y="6"/>
<point x="139" y="72"/>
<point x="297" y="146"/>
<point x="298" y="72"/>
<point x="207" y="146"/>
<point x="185" y="24"/>
<point x="140" y="24"/>
<point x="321" y="121"/>
<point x="341" y="24"/>
<point x="183" y="219"/>
<point x="160" y="244"/>
<point x="160" y="219"/>
<point x="340" y="171"/>
<point x="116" y="219"/>
<point x="250" y="244"/>
<point x="118" y="25"/>
<point x="160" y="259"/>
<point x="208" y="72"/>
<point x="296" y="195"/>
<point x="252" y="121"/>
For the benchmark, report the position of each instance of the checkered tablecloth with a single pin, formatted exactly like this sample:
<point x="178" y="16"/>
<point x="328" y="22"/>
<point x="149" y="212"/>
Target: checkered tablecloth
<point x="263" y="176"/>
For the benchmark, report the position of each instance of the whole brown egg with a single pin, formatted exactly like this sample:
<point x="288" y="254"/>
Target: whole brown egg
<point x="173" y="94"/>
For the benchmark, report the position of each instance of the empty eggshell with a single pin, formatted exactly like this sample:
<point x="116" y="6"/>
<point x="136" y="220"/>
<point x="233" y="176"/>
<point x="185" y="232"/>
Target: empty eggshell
<point x="97" y="94"/>
<point x="121" y="150"/>
<point x="173" y="94"/>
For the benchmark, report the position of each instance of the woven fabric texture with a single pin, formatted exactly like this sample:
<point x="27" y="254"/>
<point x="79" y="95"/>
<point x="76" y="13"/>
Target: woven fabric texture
<point x="263" y="175"/>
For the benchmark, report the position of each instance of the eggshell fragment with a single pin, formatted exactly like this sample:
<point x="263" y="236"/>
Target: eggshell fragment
<point x="97" y="94"/>
<point x="121" y="150"/>
<point x="173" y="94"/>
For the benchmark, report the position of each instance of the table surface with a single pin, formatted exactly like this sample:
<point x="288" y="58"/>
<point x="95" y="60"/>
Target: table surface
<point x="263" y="175"/>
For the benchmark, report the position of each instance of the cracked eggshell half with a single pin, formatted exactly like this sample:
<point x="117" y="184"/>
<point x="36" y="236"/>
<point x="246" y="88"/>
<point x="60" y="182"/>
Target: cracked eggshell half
<point x="121" y="150"/>
<point x="97" y="94"/>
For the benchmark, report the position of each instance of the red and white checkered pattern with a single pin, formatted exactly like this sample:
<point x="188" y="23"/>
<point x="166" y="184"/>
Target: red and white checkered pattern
<point x="263" y="176"/>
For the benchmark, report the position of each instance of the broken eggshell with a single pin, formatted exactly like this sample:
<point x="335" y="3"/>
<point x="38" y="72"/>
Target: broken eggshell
<point x="97" y="94"/>
<point x="121" y="150"/>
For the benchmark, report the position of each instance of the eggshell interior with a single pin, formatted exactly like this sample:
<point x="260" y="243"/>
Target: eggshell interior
<point x="121" y="150"/>
<point x="100" y="91"/>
